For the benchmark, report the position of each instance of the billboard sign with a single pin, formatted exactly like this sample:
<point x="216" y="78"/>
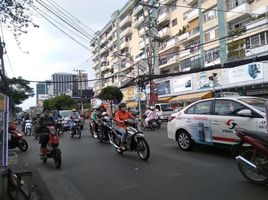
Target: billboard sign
<point x="163" y="88"/>
<point x="183" y="84"/>
<point x="204" y="82"/>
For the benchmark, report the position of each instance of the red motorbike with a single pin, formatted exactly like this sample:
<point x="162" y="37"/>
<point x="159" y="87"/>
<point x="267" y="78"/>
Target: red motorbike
<point x="253" y="160"/>
<point x="53" y="147"/>
<point x="17" y="139"/>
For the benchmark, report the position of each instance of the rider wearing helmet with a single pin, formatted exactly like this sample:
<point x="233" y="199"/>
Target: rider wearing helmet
<point x="151" y="115"/>
<point x="120" y="117"/>
<point x="73" y="117"/>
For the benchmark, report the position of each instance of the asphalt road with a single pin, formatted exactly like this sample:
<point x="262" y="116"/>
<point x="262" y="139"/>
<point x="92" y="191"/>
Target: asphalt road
<point x="95" y="171"/>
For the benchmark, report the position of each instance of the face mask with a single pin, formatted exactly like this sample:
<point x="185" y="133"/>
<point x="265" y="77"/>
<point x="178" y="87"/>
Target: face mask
<point x="123" y="109"/>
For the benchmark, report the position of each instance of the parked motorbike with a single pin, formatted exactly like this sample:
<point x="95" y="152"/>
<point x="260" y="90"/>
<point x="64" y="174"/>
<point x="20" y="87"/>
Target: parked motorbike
<point x="135" y="139"/>
<point x="17" y="139"/>
<point x="253" y="161"/>
<point x="28" y="127"/>
<point x="53" y="147"/>
<point x="76" y="129"/>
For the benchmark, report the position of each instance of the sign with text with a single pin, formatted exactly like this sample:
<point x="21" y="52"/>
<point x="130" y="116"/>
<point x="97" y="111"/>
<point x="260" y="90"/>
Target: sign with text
<point x="204" y="82"/>
<point x="183" y="84"/>
<point x="249" y="72"/>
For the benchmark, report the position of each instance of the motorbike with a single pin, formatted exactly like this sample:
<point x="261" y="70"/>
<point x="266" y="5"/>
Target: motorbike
<point x="135" y="140"/>
<point x="253" y="160"/>
<point x="104" y="123"/>
<point x="28" y="127"/>
<point x="76" y="129"/>
<point x="59" y="126"/>
<point x="17" y="139"/>
<point x="53" y="150"/>
<point x="91" y="128"/>
<point x="153" y="124"/>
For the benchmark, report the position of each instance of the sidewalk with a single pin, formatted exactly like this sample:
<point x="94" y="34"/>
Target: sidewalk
<point x="38" y="187"/>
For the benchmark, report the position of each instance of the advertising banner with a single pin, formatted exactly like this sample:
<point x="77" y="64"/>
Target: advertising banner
<point x="249" y="72"/>
<point x="204" y="82"/>
<point x="163" y="88"/>
<point x="129" y="94"/>
<point x="183" y="84"/>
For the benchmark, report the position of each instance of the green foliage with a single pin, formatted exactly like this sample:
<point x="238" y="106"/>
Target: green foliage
<point x="18" y="91"/>
<point x="60" y="103"/>
<point x="182" y="31"/>
<point x="236" y="49"/>
<point x="111" y="93"/>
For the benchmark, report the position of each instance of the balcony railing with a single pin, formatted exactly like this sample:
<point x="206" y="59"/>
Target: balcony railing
<point x="138" y="22"/>
<point x="165" y="32"/>
<point x="137" y="9"/>
<point x="125" y="21"/>
<point x="126" y="32"/>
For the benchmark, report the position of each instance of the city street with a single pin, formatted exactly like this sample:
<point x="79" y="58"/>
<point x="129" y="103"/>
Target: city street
<point x="92" y="170"/>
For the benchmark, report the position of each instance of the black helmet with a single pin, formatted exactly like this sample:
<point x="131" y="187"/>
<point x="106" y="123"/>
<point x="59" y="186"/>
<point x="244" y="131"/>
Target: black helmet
<point x="122" y="105"/>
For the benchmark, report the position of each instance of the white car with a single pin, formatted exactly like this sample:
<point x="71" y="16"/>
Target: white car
<point x="212" y="121"/>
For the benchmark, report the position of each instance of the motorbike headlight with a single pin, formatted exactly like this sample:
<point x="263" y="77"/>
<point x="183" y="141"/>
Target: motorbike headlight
<point x="19" y="134"/>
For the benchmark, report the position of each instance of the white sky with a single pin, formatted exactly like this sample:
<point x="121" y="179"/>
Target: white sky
<point x="50" y="51"/>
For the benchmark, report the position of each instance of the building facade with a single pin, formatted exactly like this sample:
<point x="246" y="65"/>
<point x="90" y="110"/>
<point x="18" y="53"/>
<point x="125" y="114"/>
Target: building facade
<point x="41" y="93"/>
<point x="62" y="83"/>
<point x="173" y="36"/>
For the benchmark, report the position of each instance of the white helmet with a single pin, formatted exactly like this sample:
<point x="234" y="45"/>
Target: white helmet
<point x="104" y="114"/>
<point x="151" y="107"/>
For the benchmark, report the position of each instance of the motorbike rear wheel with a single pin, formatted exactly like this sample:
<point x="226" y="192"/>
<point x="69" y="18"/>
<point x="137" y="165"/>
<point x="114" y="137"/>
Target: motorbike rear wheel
<point x="23" y="145"/>
<point x="143" y="149"/>
<point x="57" y="158"/>
<point x="257" y="158"/>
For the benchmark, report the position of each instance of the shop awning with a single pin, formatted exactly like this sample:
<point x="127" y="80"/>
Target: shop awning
<point x="164" y="99"/>
<point x="191" y="97"/>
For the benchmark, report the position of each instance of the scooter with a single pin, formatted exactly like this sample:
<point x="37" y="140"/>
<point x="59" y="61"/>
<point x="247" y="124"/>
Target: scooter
<point x="17" y="139"/>
<point x="28" y="127"/>
<point x="135" y="140"/>
<point x="53" y="150"/>
<point x="76" y="128"/>
<point x="253" y="161"/>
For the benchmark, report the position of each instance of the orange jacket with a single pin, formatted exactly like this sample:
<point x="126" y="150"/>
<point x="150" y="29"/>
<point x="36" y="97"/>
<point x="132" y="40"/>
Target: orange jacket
<point x="120" y="117"/>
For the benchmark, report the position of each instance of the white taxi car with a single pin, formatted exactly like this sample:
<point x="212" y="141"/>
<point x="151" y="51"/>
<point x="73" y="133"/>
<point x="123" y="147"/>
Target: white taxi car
<point x="211" y="121"/>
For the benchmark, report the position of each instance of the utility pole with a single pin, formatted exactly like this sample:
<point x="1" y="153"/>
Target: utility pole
<point x="79" y="72"/>
<point x="2" y="69"/>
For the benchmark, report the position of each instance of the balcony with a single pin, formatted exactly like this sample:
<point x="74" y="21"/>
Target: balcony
<point x="109" y="45"/>
<point x="103" y="59"/>
<point x="257" y="50"/>
<point x="183" y="37"/>
<point x="126" y="66"/>
<point x="257" y="23"/>
<point x="164" y="33"/>
<point x="213" y="62"/>
<point x="142" y="31"/>
<point x="166" y="1"/>
<point x="194" y="33"/>
<point x="142" y="43"/>
<point x="169" y="61"/>
<point x="109" y="35"/>
<point x="103" y="40"/>
<point x="138" y="22"/>
<point x="124" y="45"/>
<point x="127" y="20"/>
<point x="185" y="53"/>
<point x="192" y="15"/>
<point x="164" y="17"/>
<point x="141" y="57"/>
<point x="126" y="32"/>
<point x="137" y="10"/>
<point x="103" y="50"/>
<point x="168" y="45"/>
<point x="239" y="11"/>
<point x="191" y="2"/>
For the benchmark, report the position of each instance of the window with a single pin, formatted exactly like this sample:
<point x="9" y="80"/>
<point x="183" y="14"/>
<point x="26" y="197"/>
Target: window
<point x="227" y="107"/>
<point x="174" y="22"/>
<point x="192" y="62"/>
<point x="212" y="54"/>
<point x="209" y="15"/>
<point x="256" y="40"/>
<point x="202" y="108"/>
<point x="211" y="35"/>
<point x="173" y="6"/>
<point x="190" y="110"/>
<point x="235" y="3"/>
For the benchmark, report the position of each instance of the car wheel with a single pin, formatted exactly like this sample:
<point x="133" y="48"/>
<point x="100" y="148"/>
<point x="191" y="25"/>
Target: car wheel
<point x="184" y="140"/>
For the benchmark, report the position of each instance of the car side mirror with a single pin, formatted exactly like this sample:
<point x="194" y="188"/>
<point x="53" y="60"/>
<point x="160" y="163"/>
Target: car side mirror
<point x="245" y="113"/>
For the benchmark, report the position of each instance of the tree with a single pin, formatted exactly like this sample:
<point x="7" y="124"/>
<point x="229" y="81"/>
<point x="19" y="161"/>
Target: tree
<point x="60" y="103"/>
<point x="111" y="93"/>
<point x="19" y="90"/>
<point x="16" y="16"/>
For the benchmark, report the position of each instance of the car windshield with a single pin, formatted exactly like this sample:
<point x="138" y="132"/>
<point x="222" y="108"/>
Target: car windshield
<point x="65" y="113"/>
<point x="257" y="103"/>
<point x="166" y="107"/>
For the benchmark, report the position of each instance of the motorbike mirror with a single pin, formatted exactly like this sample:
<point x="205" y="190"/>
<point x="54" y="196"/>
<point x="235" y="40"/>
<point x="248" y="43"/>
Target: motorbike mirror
<point x="245" y="113"/>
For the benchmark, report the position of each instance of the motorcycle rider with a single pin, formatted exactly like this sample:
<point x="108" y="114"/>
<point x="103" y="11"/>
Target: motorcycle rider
<point x="43" y="122"/>
<point x="25" y="117"/>
<point x="73" y="117"/>
<point x="120" y="117"/>
<point x="150" y="116"/>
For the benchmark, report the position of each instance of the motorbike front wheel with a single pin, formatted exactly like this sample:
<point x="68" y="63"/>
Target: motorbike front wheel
<point x="57" y="157"/>
<point x="78" y="131"/>
<point x="23" y="145"/>
<point x="143" y="149"/>
<point x="257" y="158"/>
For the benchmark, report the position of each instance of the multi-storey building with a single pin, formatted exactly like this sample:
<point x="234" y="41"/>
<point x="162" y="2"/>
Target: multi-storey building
<point x="187" y="34"/>
<point x="41" y="93"/>
<point x="62" y="83"/>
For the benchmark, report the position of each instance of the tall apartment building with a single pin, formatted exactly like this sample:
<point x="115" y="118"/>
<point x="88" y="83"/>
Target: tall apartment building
<point x="41" y="92"/>
<point x="190" y="34"/>
<point x="62" y="83"/>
